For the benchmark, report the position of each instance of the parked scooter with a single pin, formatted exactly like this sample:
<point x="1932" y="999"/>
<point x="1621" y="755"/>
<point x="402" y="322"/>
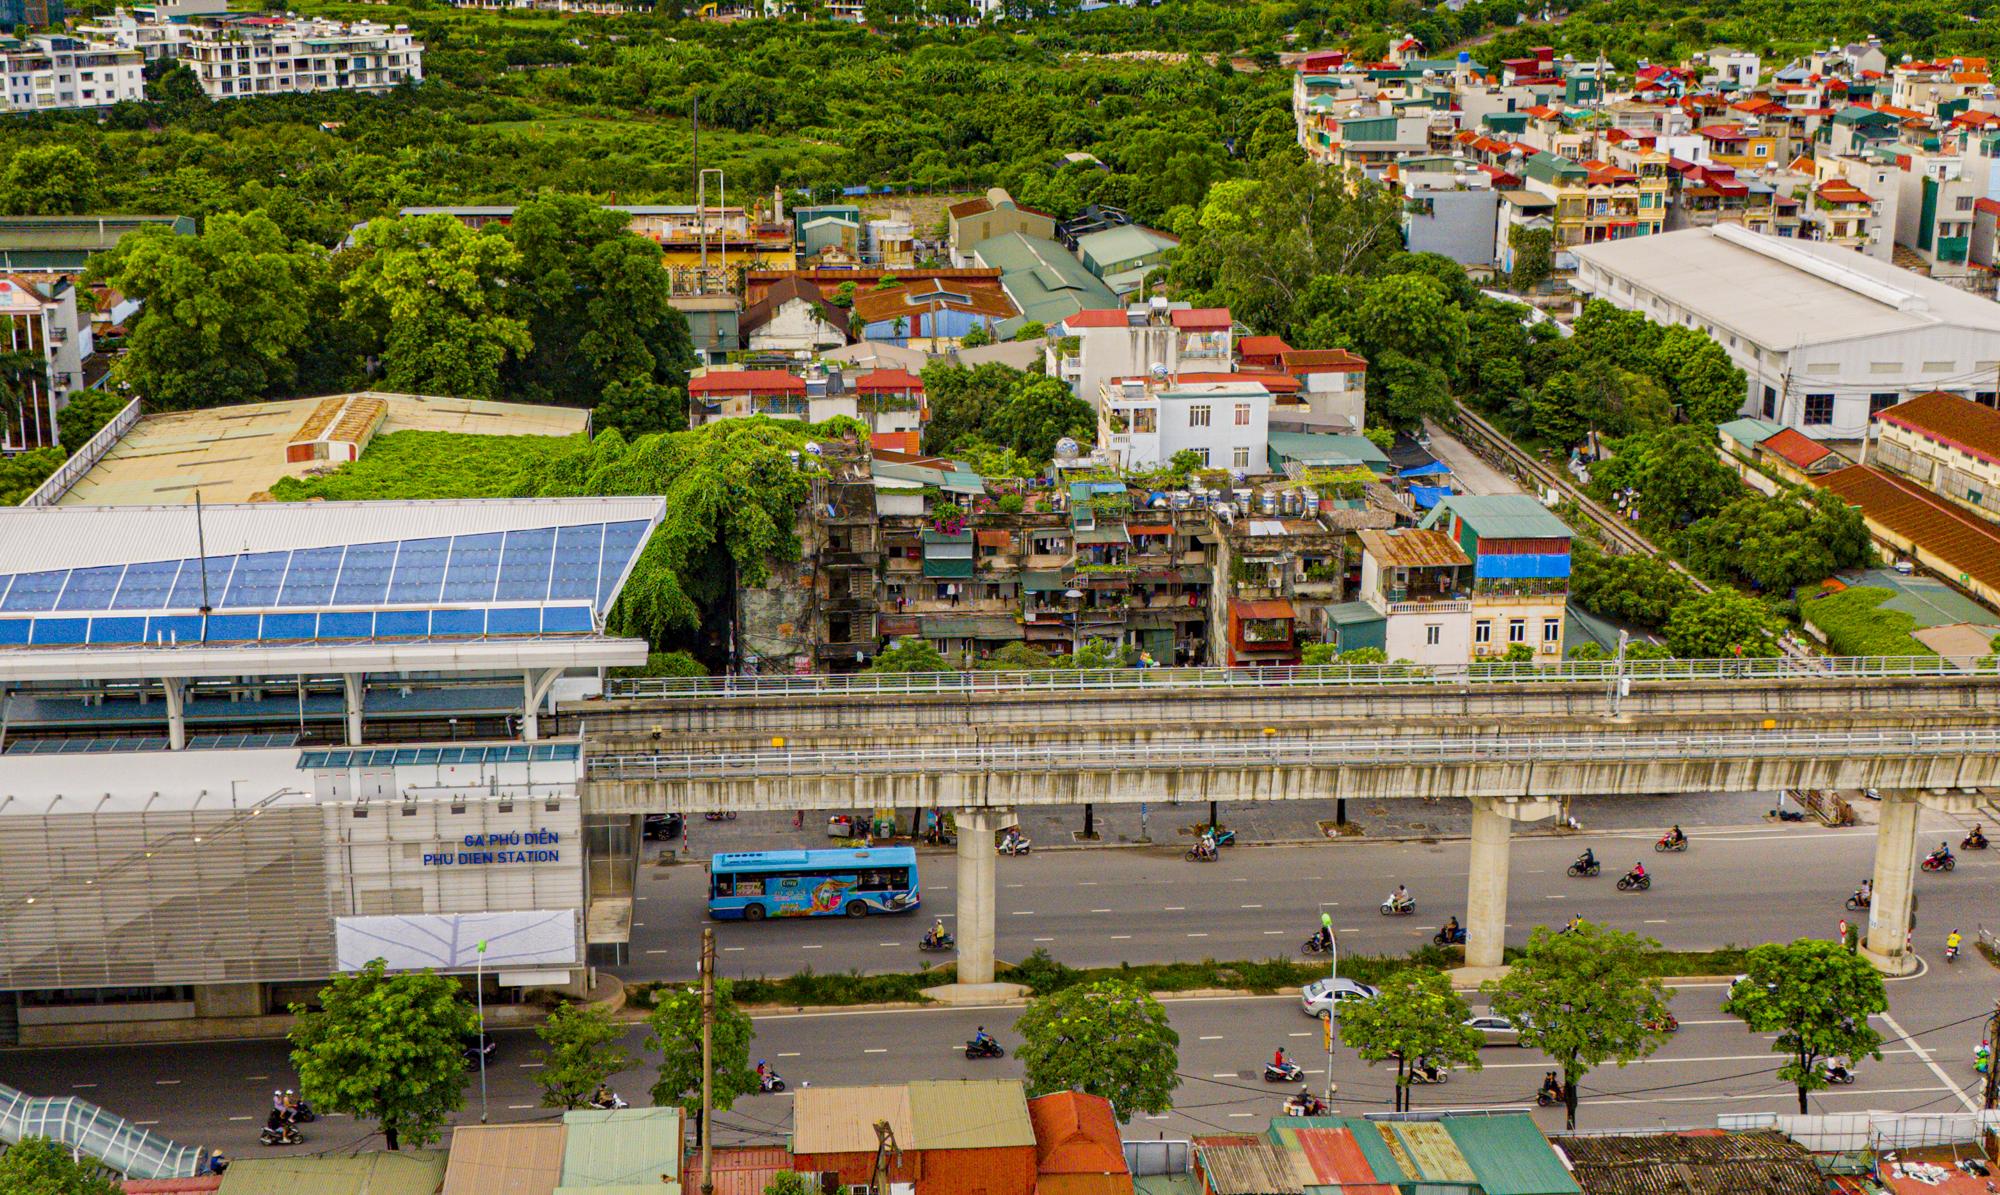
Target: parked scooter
<point x="607" y="1100"/>
<point x="1288" y="1073"/>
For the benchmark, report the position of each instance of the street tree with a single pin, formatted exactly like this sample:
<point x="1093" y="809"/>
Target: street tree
<point x="790" y="1182"/>
<point x="1699" y="374"/>
<point x="1674" y="472"/>
<point x="1038" y="412"/>
<point x="1583" y="998"/>
<point x="434" y="292"/>
<point x="222" y="314"/>
<point x="1720" y="624"/>
<point x="39" y="1166"/>
<point x="1817" y="997"/>
<point x="386" y="1048"/>
<point x="1108" y="1038"/>
<point x="1415" y="1018"/>
<point x="582" y="1051"/>
<point x="910" y="654"/>
<point x="675" y="1023"/>
<point x="48" y="180"/>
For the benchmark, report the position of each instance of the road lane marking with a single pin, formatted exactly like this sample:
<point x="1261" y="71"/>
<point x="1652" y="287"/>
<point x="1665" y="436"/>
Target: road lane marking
<point x="1100" y="910"/>
<point x="791" y="1054"/>
<point x="1013" y="885"/>
<point x="1925" y="1056"/>
<point x="1249" y="906"/>
<point x="813" y="946"/>
<point x="256" y="1078"/>
<point x="1656" y="1060"/>
<point x="1555" y="896"/>
<point x="1086" y="883"/>
<point x="166" y="1082"/>
<point x="1223" y="1075"/>
<point x="242" y="1118"/>
<point x="1211" y="1037"/>
<point x="663" y="952"/>
<point x="1023" y="912"/>
<point x="1175" y="909"/>
<point x="1298" y="1035"/>
<point x="519" y="1107"/>
<point x="888" y="943"/>
<point x="143" y="1123"/>
<point x="1197" y="935"/>
<point x="533" y="1066"/>
<point x="881" y="1050"/>
<point x="1270" y="933"/>
<point x="1241" y="1115"/>
<point x="638" y="925"/>
<point x="1044" y="939"/>
<point x="1116" y="937"/>
<point x="93" y="1084"/>
<point x="1655" y="921"/>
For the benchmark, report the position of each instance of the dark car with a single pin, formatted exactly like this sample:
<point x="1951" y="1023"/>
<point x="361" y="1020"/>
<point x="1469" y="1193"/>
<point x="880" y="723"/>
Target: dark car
<point x="662" y="825"/>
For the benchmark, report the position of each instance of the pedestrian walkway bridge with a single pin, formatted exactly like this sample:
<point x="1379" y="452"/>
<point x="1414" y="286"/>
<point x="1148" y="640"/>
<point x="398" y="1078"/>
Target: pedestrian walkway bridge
<point x="85" y="1128"/>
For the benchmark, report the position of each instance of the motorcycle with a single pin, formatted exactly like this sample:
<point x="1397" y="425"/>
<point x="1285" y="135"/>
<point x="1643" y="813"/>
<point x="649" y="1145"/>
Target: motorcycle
<point x="1305" y="1106"/>
<point x="1969" y="843"/>
<point x="1453" y="938"/>
<point x="1288" y="1073"/>
<point x="611" y="1103"/>
<point x="1546" y="1098"/>
<point x="1937" y="862"/>
<point x="1403" y="908"/>
<point x="935" y="945"/>
<point x="770" y="1082"/>
<point x="987" y="1048"/>
<point x="284" y="1134"/>
<point x="1859" y="901"/>
<point x="1316" y="945"/>
<point x="1839" y="1076"/>
<point x="1580" y="871"/>
<point x="1632" y="882"/>
<point x="1222" y="837"/>
<point x="1666" y="1024"/>
<point x="1668" y="843"/>
<point x="1195" y="854"/>
<point x="723" y="816"/>
<point x="1951" y="954"/>
<point x="1429" y="1072"/>
<point x="1016" y="844"/>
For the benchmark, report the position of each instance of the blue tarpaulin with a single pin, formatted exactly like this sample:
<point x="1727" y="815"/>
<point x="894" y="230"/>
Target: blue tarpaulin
<point x="1431" y="470"/>
<point x="1427" y="496"/>
<point x="1522" y="567"/>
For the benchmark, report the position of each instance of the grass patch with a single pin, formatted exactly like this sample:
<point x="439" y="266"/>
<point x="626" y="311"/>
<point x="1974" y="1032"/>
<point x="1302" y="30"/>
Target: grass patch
<point x="1855" y="625"/>
<point x="429" y="465"/>
<point x="1043" y="973"/>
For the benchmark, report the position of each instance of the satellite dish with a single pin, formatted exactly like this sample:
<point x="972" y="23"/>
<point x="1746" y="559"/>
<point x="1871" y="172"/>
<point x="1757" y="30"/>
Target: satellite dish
<point x="813" y="447"/>
<point x="1066" y="449"/>
<point x="1160" y="371"/>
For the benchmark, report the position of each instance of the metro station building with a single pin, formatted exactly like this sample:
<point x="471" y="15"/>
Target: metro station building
<point x="243" y="749"/>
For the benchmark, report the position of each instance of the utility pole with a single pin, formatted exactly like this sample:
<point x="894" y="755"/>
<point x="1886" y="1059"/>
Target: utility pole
<point x="887" y="1152"/>
<point x="707" y="1060"/>
<point x="1992" y="1099"/>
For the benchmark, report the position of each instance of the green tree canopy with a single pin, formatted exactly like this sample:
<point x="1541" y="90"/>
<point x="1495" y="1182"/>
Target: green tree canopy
<point x="24" y="472"/>
<point x="579" y="1051"/>
<point x="1779" y="542"/>
<point x="48" y="180"/>
<point x="84" y="414"/>
<point x="1109" y="1039"/>
<point x="1817" y="997"/>
<point x="1720" y="624"/>
<point x="1675" y="473"/>
<point x="1583" y="998"/>
<point x="39" y="1166"/>
<point x="1417" y="1017"/>
<point x="912" y="653"/>
<point x="675" y="1025"/>
<point x="222" y="314"/>
<point x="388" y="1049"/>
<point x="435" y="293"/>
<point x="1037" y="413"/>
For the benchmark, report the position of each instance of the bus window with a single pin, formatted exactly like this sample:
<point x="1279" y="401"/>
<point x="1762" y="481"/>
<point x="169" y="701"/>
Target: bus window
<point x="725" y="885"/>
<point x="877" y="880"/>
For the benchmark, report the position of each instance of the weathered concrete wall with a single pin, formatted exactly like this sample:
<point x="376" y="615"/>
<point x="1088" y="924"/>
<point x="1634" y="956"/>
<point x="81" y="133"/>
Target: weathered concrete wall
<point x="775" y="620"/>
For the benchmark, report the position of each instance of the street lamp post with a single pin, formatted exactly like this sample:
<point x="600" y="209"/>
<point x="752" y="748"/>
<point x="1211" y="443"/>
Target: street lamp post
<point x="479" y="994"/>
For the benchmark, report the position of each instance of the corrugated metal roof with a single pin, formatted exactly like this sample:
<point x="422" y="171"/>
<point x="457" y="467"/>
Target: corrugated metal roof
<point x="970" y="1114"/>
<point x="747" y="1170"/>
<point x="1768" y="1163"/>
<point x="1246" y="1166"/>
<point x="1075" y="1133"/>
<point x="1750" y="432"/>
<point x="1434" y="1152"/>
<point x="1412" y="549"/>
<point x="1502" y="516"/>
<point x="404" y="1172"/>
<point x="630" y="1145"/>
<point x="503" y="1159"/>
<point x="1510" y="1155"/>
<point x="42" y="538"/>
<point x="833" y="1120"/>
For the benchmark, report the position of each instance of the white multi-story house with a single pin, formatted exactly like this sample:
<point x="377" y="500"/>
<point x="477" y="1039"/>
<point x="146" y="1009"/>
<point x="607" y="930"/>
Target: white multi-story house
<point x="45" y="73"/>
<point x="1143" y="422"/>
<point x="255" y="55"/>
<point x="154" y="37"/>
<point x="39" y="320"/>
<point x="1091" y="348"/>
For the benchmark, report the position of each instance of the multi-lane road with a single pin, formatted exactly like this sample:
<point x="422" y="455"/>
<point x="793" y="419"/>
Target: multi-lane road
<point x="1743" y="884"/>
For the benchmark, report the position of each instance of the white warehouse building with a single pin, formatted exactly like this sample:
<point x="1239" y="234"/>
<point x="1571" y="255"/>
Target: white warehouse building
<point x="1827" y="336"/>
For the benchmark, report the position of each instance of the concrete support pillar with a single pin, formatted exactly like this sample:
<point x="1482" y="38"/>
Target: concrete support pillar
<point x="1895" y="868"/>
<point x="1486" y="886"/>
<point x="974" y="930"/>
<point x="177" y="735"/>
<point x="351" y="682"/>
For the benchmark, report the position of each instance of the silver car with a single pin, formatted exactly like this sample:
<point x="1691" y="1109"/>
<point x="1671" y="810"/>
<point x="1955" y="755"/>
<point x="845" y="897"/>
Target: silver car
<point x="1496" y="1030"/>
<point x="1321" y="996"/>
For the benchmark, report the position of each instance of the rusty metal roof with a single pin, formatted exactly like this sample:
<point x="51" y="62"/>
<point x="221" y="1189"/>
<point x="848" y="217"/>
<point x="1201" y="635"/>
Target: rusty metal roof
<point x="1767" y="1163"/>
<point x="1246" y="1166"/>
<point x="1412" y="549"/>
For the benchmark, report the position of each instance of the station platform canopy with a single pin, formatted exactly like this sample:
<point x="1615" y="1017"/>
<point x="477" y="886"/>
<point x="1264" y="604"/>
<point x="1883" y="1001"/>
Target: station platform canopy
<point x="358" y="575"/>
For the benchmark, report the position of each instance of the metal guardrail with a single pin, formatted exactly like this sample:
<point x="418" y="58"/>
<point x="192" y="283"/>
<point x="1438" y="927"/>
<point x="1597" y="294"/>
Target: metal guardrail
<point x="1332" y="751"/>
<point x="861" y="684"/>
<point x="72" y="470"/>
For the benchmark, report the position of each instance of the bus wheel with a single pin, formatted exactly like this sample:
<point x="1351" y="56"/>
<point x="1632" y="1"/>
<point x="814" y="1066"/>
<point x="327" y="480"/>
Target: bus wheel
<point x="857" y="908"/>
<point x="753" y="912"/>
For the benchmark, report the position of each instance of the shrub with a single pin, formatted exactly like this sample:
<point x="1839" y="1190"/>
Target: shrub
<point x="1854" y="623"/>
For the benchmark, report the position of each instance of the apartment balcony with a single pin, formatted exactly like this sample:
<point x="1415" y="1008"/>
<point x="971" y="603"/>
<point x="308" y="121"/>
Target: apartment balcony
<point x="1953" y="248"/>
<point x="1426" y="606"/>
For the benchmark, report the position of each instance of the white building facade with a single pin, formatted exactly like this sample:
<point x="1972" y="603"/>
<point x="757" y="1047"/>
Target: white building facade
<point x="241" y="56"/>
<point x="49" y="73"/>
<point x="1826" y="336"/>
<point x="1144" y="422"/>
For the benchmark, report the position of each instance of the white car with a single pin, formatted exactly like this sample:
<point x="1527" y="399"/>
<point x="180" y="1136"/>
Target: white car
<point x="1496" y="1030"/>
<point x="1321" y="996"/>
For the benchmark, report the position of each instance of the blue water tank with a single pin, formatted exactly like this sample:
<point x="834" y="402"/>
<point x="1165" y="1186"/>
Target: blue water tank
<point x="1464" y="56"/>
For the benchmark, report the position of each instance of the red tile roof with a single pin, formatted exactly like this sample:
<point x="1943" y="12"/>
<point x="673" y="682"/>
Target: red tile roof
<point x="971" y="207"/>
<point x="1323" y="361"/>
<point x="1797" y="447"/>
<point x="1955" y="421"/>
<point x="1075" y="1134"/>
<point x="890" y="379"/>
<point x="747" y="381"/>
<point x="1245" y="608"/>
<point x="1961" y="539"/>
<point x="1114" y="318"/>
<point x="1262" y="346"/>
<point x="1202" y="319"/>
<point x="1990" y="206"/>
<point x="1839" y="190"/>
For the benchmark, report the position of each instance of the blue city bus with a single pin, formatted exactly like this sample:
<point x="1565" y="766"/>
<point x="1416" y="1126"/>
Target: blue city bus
<point x="753" y="885"/>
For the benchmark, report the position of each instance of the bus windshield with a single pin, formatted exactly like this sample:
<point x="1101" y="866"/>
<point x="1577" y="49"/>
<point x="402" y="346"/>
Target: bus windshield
<point x="753" y="885"/>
